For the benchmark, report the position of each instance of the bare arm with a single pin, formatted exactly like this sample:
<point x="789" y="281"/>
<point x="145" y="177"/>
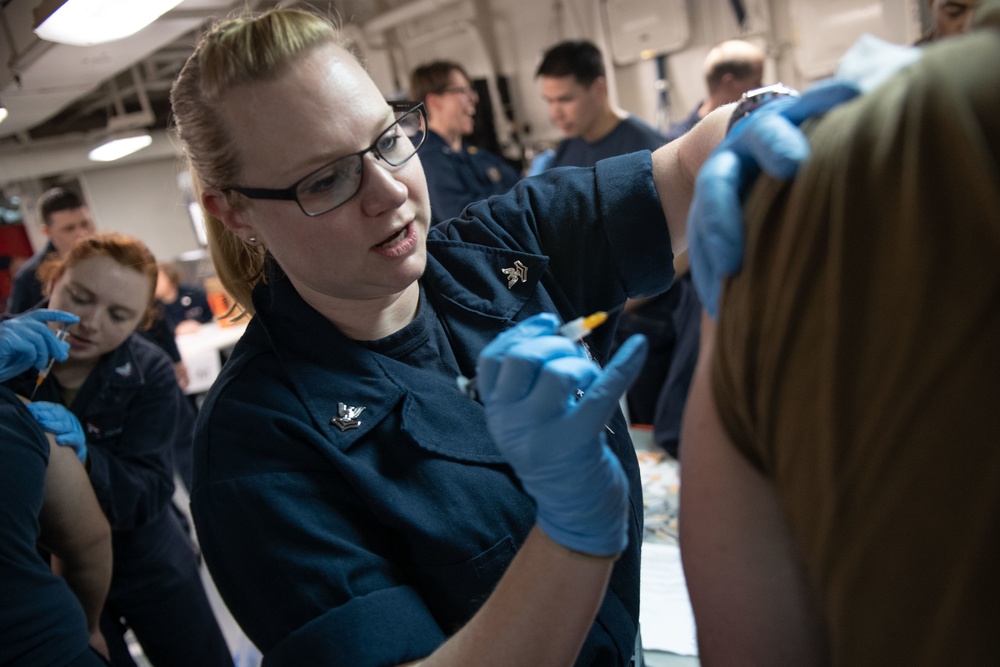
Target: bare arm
<point x="74" y="529"/>
<point x="748" y="590"/>
<point x="676" y="165"/>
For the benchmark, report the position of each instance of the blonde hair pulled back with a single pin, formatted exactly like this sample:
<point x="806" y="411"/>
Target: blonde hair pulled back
<point x="238" y="51"/>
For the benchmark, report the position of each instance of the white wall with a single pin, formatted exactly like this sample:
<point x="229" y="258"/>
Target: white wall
<point x="142" y="200"/>
<point x="137" y="195"/>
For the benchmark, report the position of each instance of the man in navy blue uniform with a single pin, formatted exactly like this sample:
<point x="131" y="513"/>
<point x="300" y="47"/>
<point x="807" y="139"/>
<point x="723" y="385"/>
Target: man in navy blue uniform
<point x="457" y="172"/>
<point x="65" y="219"/>
<point x="575" y="88"/>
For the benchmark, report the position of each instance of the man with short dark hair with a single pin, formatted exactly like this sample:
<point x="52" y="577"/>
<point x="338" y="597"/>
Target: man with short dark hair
<point x="65" y="219"/>
<point x="575" y="88"/>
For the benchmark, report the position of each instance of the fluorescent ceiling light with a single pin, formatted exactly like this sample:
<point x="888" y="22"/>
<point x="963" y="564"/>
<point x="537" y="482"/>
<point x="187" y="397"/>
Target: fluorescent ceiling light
<point x="86" y="22"/>
<point x="119" y="145"/>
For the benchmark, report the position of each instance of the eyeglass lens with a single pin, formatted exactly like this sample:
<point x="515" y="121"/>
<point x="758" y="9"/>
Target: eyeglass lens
<point x="334" y="184"/>
<point x="471" y="93"/>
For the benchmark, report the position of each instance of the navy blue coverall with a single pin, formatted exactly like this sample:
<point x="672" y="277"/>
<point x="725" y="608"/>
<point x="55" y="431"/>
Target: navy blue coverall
<point x="349" y="500"/>
<point x="128" y="407"/>
<point x="456" y="179"/>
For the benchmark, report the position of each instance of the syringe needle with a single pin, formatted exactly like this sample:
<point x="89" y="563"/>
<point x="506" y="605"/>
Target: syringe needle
<point x="44" y="373"/>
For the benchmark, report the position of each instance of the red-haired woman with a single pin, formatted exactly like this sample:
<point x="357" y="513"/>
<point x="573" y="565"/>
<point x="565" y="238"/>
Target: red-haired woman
<point x="116" y="400"/>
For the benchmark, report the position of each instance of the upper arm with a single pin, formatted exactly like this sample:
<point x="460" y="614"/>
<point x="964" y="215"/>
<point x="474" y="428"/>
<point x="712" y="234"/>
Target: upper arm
<point x="748" y="589"/>
<point x="71" y="519"/>
<point x="675" y="166"/>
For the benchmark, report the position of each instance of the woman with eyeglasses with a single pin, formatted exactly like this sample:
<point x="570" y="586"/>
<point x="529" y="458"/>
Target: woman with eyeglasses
<point x="353" y="505"/>
<point x="457" y="172"/>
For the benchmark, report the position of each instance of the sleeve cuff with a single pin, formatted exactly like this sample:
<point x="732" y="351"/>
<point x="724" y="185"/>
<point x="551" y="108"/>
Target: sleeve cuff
<point x="634" y="222"/>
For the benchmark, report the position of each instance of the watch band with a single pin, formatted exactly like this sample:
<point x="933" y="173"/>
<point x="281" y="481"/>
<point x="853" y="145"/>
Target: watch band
<point x="754" y="99"/>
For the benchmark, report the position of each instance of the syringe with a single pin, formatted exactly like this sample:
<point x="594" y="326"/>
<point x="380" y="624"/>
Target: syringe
<point x="62" y="335"/>
<point x="575" y="330"/>
<point x="582" y="326"/>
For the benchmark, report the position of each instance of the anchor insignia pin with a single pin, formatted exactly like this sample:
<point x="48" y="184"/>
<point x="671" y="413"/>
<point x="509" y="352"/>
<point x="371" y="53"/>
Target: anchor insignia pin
<point x="347" y="417"/>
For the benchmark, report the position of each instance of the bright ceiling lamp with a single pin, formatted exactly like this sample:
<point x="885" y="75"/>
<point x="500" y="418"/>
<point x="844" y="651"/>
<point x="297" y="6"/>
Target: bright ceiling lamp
<point x="86" y="22"/>
<point x="119" y="144"/>
<point x="3" y="112"/>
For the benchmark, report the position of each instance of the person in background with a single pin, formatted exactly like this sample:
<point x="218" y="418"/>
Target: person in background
<point x="575" y="88"/>
<point x="116" y="402"/>
<point x="671" y="320"/>
<point x="353" y="504"/>
<point x="457" y="173"/>
<point x="46" y="501"/>
<point x="65" y="218"/>
<point x="948" y="18"/>
<point x="840" y="501"/>
<point x="185" y="307"/>
<point x="731" y="68"/>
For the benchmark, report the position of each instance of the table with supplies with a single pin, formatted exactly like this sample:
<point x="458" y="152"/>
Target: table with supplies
<point x="202" y="352"/>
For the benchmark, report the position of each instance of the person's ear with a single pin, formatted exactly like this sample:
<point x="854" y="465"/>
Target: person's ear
<point x="217" y="204"/>
<point x="600" y="87"/>
<point x="727" y="84"/>
<point x="432" y="102"/>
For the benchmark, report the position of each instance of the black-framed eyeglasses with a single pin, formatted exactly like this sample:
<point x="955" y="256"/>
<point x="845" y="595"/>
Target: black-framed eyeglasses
<point x="333" y="185"/>
<point x="471" y="93"/>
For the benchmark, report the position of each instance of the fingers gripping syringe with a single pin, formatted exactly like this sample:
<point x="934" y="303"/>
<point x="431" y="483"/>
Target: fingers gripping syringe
<point x="44" y="373"/>
<point x="575" y="330"/>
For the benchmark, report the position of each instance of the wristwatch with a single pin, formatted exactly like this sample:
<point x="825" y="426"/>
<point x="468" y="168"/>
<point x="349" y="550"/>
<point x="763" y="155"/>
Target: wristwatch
<point x="754" y="99"/>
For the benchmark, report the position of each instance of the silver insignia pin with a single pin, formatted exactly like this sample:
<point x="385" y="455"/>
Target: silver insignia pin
<point x="347" y="417"/>
<point x="517" y="272"/>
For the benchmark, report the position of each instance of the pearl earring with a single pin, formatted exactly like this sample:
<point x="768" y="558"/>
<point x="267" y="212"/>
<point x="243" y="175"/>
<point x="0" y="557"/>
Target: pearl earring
<point x="252" y="239"/>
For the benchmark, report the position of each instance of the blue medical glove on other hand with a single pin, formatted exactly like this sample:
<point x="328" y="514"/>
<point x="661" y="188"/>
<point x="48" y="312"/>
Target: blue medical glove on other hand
<point x="528" y="381"/>
<point x="26" y="341"/>
<point x="541" y="162"/>
<point x="59" y="421"/>
<point x="768" y="139"/>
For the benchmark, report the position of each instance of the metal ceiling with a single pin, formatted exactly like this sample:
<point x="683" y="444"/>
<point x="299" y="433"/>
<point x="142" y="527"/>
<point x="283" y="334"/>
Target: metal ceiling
<point x="59" y="94"/>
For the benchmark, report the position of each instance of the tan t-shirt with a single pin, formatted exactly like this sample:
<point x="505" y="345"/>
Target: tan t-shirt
<point x="858" y="361"/>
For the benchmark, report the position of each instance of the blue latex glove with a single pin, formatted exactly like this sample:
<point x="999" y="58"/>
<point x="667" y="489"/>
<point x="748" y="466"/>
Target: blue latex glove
<point x="541" y="162"/>
<point x="528" y="380"/>
<point x="60" y="422"/>
<point x="768" y="139"/>
<point x="26" y="341"/>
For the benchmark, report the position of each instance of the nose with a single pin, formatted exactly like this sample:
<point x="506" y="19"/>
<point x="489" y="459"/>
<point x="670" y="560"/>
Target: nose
<point x="381" y="191"/>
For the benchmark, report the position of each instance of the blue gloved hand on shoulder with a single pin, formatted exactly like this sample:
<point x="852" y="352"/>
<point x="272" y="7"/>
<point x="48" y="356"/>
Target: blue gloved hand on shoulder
<point x="541" y="162"/>
<point x="768" y="139"/>
<point x="26" y="341"/>
<point x="59" y="421"/>
<point x="529" y="381"/>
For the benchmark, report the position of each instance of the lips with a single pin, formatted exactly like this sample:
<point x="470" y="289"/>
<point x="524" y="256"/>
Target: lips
<point x="78" y="342"/>
<point x="392" y="240"/>
<point x="399" y="244"/>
